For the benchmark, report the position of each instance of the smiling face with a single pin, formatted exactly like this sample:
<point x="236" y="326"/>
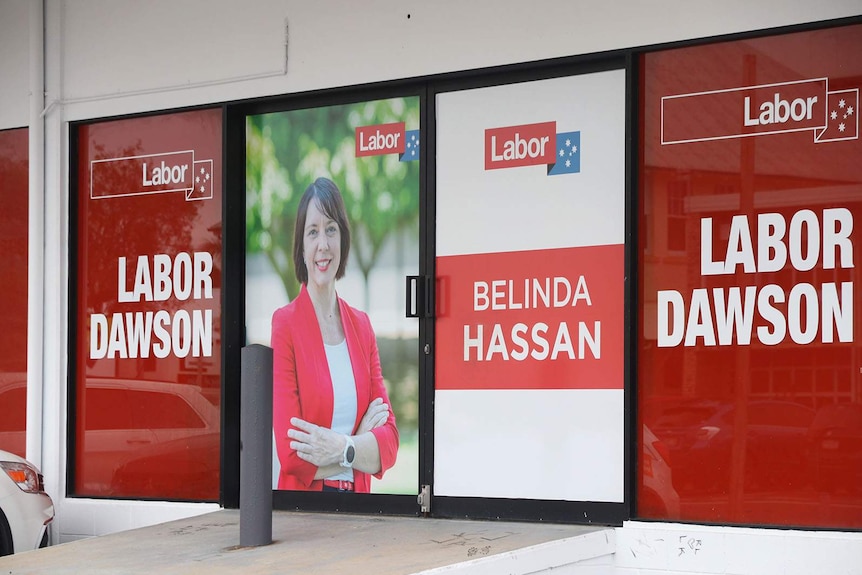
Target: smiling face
<point x="321" y="247"/>
<point x="324" y="198"/>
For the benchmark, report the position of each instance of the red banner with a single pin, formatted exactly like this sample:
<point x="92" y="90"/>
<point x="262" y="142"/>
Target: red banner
<point x="380" y="139"/>
<point x="525" y="145"/>
<point x="543" y="319"/>
<point x="152" y="174"/>
<point x="779" y="108"/>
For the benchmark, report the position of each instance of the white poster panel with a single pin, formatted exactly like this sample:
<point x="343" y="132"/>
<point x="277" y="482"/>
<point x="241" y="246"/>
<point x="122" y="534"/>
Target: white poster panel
<point x="530" y="290"/>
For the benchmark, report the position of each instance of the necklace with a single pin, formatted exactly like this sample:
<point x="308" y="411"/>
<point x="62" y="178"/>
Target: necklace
<point x="328" y="316"/>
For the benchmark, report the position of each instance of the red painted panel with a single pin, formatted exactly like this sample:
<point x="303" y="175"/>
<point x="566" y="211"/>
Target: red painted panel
<point x="535" y="319"/>
<point x="14" y="175"/>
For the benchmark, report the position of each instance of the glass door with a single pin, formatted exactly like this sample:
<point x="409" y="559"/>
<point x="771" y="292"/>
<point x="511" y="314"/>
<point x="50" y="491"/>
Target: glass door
<point x="331" y="232"/>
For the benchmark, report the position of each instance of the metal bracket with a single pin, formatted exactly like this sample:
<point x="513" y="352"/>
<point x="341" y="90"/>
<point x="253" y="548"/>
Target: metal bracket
<point x="424" y="499"/>
<point x="286" y="41"/>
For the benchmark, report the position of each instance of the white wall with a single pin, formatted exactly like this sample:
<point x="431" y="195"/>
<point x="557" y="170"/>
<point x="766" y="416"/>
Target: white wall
<point x="124" y="56"/>
<point x="112" y="57"/>
<point x="14" y="64"/>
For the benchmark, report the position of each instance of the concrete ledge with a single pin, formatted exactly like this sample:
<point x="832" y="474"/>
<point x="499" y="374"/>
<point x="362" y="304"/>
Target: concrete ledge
<point x="540" y="558"/>
<point x="324" y="543"/>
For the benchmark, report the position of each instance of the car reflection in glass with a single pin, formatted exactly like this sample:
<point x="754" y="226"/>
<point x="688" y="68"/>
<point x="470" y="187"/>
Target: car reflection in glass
<point x="700" y="438"/>
<point x="657" y="496"/>
<point x="835" y="439"/>
<point x="148" y="439"/>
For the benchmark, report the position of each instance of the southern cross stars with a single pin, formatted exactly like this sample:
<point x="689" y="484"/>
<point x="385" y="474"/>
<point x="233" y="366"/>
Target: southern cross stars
<point x="833" y="115"/>
<point x="568" y="145"/>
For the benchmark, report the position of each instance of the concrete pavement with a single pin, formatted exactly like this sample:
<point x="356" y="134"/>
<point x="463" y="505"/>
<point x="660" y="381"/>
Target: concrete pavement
<point x="318" y="543"/>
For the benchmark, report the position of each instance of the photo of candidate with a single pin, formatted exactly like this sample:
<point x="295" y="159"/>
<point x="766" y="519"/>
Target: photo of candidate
<point x="333" y="423"/>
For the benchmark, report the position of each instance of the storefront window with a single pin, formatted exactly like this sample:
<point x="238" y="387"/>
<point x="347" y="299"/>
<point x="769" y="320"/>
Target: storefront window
<point x="530" y="276"/>
<point x="14" y="173"/>
<point x="147" y="315"/>
<point x="750" y="362"/>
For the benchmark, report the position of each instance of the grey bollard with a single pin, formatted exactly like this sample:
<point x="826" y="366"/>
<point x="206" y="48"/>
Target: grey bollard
<point x="255" y="461"/>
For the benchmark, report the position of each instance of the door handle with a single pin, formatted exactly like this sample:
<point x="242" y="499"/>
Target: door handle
<point x="411" y="308"/>
<point x="419" y="301"/>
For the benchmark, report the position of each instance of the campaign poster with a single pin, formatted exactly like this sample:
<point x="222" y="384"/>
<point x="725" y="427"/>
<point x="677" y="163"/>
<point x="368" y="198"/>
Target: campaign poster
<point x="146" y="307"/>
<point x="14" y="186"/>
<point x="529" y="359"/>
<point x="357" y="165"/>
<point x="749" y="375"/>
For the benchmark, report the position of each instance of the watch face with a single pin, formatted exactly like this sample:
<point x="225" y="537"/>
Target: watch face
<point x="351" y="453"/>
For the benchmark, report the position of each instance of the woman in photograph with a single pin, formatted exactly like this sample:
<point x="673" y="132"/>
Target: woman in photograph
<point x="333" y="422"/>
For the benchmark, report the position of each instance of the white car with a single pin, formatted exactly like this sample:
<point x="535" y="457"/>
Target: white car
<point x="658" y="498"/>
<point x="25" y="508"/>
<point x="140" y="433"/>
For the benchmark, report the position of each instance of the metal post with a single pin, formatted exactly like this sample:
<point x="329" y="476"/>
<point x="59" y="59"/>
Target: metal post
<point x="255" y="462"/>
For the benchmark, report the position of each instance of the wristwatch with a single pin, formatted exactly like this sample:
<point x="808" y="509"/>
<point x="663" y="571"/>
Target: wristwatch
<point x="349" y="453"/>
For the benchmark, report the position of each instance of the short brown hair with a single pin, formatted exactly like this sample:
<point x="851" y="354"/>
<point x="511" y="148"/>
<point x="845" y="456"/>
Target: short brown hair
<point x="325" y="193"/>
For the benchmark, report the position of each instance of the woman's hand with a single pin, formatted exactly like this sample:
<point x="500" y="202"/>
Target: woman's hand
<point x="375" y="416"/>
<point x="318" y="445"/>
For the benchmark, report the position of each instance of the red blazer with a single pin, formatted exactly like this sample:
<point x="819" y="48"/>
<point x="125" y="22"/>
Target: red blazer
<point x="302" y="386"/>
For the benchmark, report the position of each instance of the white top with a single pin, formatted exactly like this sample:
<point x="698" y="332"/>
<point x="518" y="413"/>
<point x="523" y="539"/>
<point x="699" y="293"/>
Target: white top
<point x="344" y="394"/>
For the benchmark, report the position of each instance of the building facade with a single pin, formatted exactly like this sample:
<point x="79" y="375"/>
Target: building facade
<point x="628" y="233"/>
